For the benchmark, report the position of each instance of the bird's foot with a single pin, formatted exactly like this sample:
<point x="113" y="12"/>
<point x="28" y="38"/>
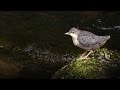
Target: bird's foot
<point x="84" y="58"/>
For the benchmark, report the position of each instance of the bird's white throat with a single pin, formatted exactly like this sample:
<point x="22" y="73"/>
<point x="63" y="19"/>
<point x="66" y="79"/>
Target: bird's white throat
<point x="74" y="38"/>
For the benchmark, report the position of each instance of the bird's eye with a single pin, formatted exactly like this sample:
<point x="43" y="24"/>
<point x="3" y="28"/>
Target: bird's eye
<point x="72" y="32"/>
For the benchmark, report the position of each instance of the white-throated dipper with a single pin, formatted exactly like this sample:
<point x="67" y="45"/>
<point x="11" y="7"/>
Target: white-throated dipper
<point x="86" y="40"/>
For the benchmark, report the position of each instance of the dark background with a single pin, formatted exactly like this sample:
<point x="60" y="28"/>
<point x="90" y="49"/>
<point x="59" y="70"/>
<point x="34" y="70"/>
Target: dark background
<point x="19" y="29"/>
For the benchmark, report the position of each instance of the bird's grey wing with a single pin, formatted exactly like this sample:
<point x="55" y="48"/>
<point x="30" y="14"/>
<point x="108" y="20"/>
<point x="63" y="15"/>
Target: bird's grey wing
<point x="87" y="41"/>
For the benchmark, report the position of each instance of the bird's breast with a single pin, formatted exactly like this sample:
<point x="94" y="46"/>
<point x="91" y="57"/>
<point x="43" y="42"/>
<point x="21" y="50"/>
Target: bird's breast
<point x="75" y="41"/>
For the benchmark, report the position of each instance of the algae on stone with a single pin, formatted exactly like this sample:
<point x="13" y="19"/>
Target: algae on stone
<point x="102" y="64"/>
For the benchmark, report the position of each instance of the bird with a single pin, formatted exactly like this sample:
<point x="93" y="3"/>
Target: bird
<point x="86" y="40"/>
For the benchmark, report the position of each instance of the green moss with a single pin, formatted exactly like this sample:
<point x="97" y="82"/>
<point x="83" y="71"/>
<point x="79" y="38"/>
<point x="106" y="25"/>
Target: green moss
<point x="107" y="66"/>
<point x="79" y="69"/>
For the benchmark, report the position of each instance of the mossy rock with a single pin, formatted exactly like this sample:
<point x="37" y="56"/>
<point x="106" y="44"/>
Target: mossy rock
<point x="108" y="66"/>
<point x="81" y="69"/>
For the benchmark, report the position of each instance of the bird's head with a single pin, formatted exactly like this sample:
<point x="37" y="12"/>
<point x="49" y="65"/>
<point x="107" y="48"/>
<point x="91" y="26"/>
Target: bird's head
<point x="73" y="32"/>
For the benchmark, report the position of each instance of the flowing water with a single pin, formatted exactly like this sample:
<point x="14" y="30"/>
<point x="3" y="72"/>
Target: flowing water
<point x="35" y="42"/>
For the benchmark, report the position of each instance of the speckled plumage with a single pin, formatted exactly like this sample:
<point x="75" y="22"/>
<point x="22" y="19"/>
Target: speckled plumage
<point x="87" y="40"/>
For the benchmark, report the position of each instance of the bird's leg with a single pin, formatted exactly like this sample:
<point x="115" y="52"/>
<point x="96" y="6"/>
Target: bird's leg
<point x="91" y="51"/>
<point x="83" y="54"/>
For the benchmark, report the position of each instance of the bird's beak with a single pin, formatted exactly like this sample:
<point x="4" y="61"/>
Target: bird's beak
<point x="67" y="33"/>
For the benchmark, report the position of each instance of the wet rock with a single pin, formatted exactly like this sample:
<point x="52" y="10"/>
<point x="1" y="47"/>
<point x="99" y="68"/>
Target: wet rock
<point x="39" y="53"/>
<point x="96" y="67"/>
